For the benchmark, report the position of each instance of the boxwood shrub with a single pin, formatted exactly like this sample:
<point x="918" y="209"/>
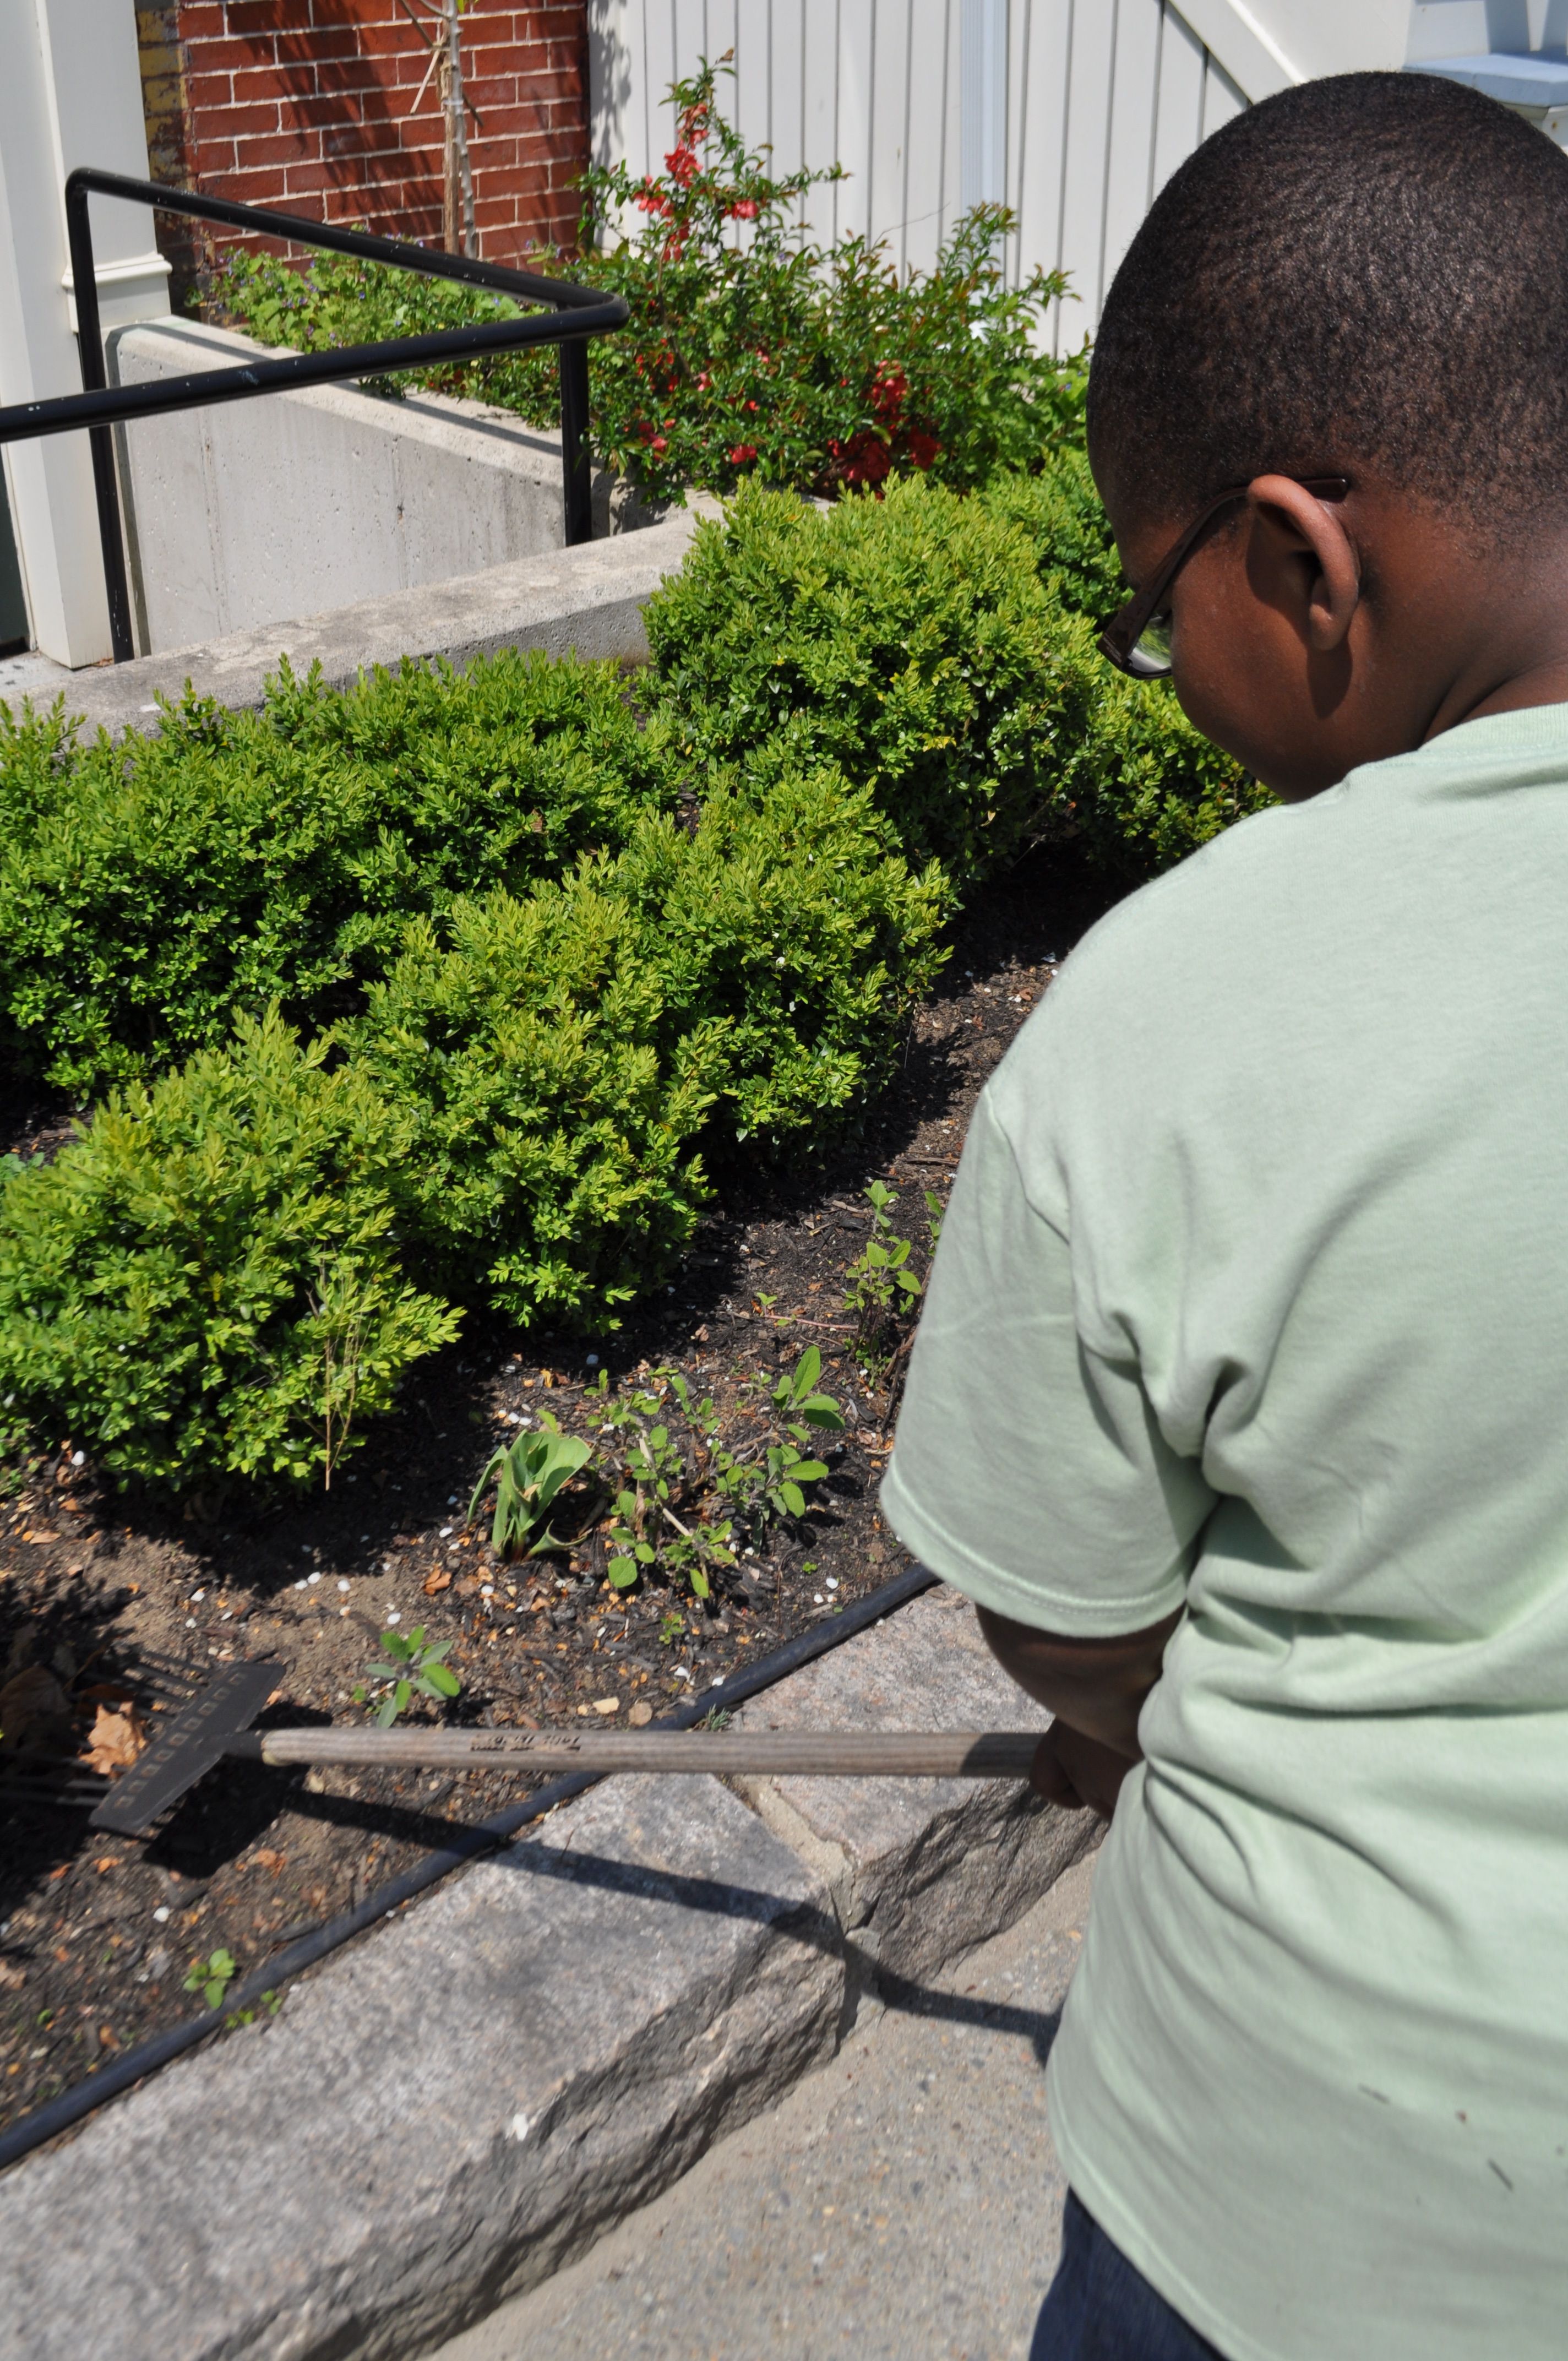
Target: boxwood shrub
<point x="562" y="1055"/>
<point x="447" y="990"/>
<point x="940" y="649"/>
<point x="206" y="1282"/>
<point x="150" y="889"/>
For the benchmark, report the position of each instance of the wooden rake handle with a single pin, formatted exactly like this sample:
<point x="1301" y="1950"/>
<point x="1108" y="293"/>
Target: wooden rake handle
<point x="767" y="1753"/>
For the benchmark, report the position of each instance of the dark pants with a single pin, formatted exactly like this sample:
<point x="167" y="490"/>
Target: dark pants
<point x="1101" y="2309"/>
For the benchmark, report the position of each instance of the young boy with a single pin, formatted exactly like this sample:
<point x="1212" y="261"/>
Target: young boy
<point x="1240" y="1403"/>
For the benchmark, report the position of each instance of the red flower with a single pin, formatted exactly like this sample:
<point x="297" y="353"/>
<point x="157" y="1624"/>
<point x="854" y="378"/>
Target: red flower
<point x="923" y="449"/>
<point x="889" y="388"/>
<point x="742" y="453"/>
<point x="862" y="460"/>
<point x="743" y="209"/>
<point x="682" y="166"/>
<point x="704" y="381"/>
<point x="658" y="446"/>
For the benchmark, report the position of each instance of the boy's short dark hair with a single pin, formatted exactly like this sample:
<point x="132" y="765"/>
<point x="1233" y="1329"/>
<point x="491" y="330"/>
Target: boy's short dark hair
<point x="1370" y="270"/>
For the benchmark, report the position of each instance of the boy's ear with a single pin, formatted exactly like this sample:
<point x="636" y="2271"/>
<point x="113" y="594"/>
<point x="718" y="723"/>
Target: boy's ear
<point x="1302" y="559"/>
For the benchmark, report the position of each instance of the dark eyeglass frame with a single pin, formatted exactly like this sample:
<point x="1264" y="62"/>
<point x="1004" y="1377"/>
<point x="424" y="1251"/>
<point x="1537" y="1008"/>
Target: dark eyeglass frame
<point x="1120" y="637"/>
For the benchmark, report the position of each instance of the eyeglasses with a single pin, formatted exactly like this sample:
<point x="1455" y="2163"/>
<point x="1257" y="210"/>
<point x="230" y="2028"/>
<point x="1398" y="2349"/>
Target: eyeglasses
<point x="1137" y="638"/>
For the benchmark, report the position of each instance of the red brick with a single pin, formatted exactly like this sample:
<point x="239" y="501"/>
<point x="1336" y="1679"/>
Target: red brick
<point x="306" y="181"/>
<point x="209" y="90"/>
<point x="343" y="75"/>
<point x="540" y="85"/>
<point x="244" y="122"/>
<point x="321" y="111"/>
<point x="278" y="82"/>
<point x="281" y="147"/>
<point x="243" y="17"/>
<point x="395" y="39"/>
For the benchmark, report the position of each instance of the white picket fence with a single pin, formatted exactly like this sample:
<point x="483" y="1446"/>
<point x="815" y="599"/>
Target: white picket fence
<point x="1071" y="111"/>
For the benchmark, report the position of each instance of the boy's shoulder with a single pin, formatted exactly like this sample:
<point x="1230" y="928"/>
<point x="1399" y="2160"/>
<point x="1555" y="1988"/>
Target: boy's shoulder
<point x="1279" y="892"/>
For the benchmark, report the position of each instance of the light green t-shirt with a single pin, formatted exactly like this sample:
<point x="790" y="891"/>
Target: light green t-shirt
<point x="1253" y="1297"/>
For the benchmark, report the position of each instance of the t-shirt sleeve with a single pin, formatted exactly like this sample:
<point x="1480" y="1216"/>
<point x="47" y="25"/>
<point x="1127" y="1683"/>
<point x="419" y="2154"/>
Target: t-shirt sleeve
<point x="1028" y="1470"/>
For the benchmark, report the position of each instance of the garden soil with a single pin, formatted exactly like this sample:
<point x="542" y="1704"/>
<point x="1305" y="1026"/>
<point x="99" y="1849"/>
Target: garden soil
<point x="113" y="1610"/>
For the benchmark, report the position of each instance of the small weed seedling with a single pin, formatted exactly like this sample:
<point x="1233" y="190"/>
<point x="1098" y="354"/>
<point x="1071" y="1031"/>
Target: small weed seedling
<point x="527" y="1475"/>
<point x="880" y="1285"/>
<point x="212" y="1978"/>
<point x="416" y="1669"/>
<point x="270" y="2001"/>
<point x="648" y="1530"/>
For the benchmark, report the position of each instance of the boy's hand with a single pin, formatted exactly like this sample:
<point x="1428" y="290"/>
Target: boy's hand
<point x="1096" y="1688"/>
<point x="1072" y="1771"/>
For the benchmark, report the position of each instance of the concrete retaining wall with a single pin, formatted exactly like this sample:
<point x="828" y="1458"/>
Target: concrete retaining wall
<point x="586" y="601"/>
<point x="447" y="2113"/>
<point x="240" y="516"/>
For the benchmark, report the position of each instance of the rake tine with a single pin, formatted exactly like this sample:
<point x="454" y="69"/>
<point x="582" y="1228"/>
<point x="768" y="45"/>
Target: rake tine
<point x="203" y="1729"/>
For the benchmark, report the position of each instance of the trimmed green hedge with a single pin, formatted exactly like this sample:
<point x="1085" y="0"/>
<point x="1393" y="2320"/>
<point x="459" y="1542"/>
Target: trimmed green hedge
<point x="939" y="650"/>
<point x="462" y="980"/>
<point x="150" y="889"/>
<point x="206" y="1283"/>
<point x="565" y="1053"/>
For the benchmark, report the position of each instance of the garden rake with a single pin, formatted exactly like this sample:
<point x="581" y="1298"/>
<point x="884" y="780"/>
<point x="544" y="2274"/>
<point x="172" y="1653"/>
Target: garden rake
<point x="214" y="1725"/>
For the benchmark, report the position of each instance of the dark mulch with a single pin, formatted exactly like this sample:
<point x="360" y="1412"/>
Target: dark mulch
<point x="111" y="1597"/>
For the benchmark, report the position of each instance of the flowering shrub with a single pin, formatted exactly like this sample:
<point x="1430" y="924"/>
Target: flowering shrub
<point x="751" y="350"/>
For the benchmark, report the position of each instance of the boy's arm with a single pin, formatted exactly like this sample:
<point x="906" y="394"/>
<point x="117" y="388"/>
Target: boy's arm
<point x="1030" y="1470"/>
<point x="1096" y="1689"/>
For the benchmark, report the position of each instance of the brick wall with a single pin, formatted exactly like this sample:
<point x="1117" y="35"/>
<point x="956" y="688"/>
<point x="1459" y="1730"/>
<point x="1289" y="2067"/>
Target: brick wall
<point x="307" y="104"/>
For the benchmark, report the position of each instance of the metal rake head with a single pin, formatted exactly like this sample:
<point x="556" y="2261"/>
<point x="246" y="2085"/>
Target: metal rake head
<point x="197" y="1737"/>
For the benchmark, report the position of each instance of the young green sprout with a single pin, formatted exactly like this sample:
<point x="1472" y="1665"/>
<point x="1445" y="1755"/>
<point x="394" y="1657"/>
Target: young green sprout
<point x="416" y="1669"/>
<point x="527" y="1475"/>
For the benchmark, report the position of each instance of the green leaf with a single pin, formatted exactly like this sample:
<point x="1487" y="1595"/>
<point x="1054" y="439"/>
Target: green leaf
<point x="622" y="1572"/>
<point x="794" y="1499"/>
<point x="441" y="1679"/>
<point x="823" y="1411"/>
<point x="809" y="1471"/>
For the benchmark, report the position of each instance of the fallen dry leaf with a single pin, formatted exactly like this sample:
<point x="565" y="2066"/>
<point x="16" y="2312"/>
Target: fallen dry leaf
<point x="117" y="1738"/>
<point x="642" y="1714"/>
<point x="11" y="1975"/>
<point x="607" y="1705"/>
<point x="440" y="1580"/>
<point x="270" y="1860"/>
<point x="40" y="1534"/>
<point x="32" y="1706"/>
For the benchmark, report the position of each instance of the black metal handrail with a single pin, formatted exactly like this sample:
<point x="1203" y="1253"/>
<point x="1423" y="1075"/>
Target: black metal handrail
<point x="576" y="313"/>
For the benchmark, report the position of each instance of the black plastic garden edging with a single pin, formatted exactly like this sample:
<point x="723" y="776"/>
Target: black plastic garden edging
<point x="31" y="2131"/>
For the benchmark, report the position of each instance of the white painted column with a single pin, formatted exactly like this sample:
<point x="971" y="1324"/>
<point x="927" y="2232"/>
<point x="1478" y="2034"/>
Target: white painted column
<point x="70" y="94"/>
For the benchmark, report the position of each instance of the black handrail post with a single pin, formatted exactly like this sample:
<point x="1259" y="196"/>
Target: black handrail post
<point x="576" y="457"/>
<point x="575" y="314"/>
<point x="95" y="379"/>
